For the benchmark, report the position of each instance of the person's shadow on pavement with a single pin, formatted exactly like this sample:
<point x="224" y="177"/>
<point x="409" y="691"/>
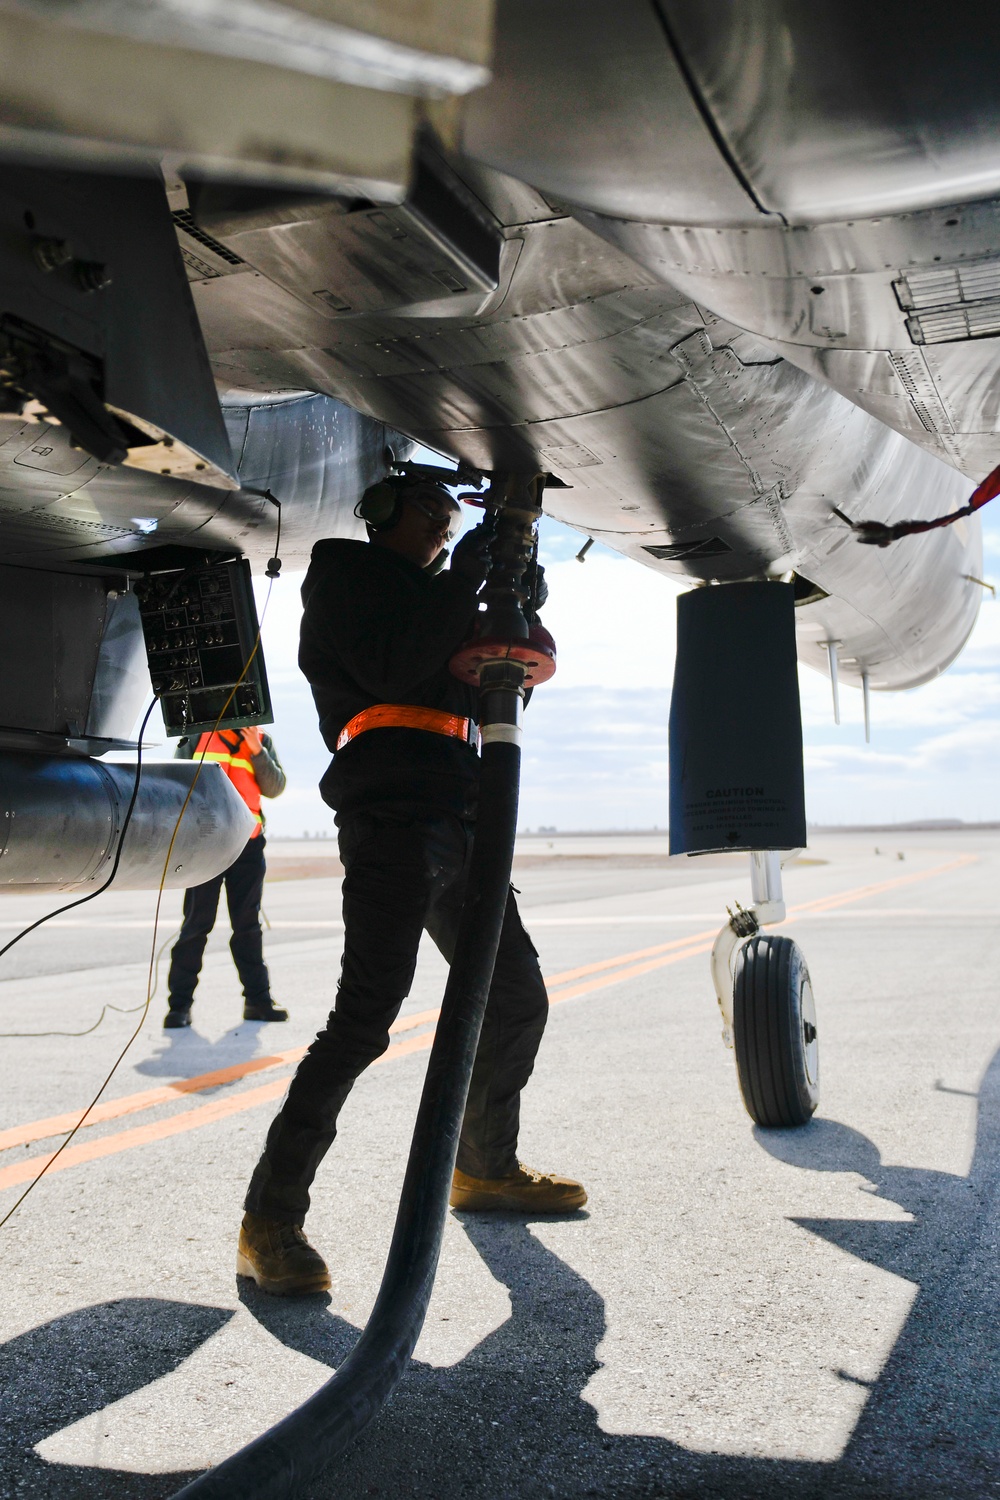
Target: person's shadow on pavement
<point x="511" y="1419"/>
<point x="68" y="1368"/>
<point x="184" y="1052"/>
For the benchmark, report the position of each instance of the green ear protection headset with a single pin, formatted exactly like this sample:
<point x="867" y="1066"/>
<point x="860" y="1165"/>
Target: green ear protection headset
<point x="381" y="504"/>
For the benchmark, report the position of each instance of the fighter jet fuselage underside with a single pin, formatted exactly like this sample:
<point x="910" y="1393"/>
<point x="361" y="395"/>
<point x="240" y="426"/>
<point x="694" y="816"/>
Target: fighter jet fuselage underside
<point x="725" y="275"/>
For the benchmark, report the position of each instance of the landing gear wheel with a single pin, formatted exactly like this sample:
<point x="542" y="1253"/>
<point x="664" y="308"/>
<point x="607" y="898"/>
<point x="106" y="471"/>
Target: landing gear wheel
<point x="774" y="1032"/>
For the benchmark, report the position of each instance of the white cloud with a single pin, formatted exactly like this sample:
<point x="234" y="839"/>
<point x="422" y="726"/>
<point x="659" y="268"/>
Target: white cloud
<point x="614" y="623"/>
<point x="856" y="759"/>
<point x="963" y="748"/>
<point x="955" y="696"/>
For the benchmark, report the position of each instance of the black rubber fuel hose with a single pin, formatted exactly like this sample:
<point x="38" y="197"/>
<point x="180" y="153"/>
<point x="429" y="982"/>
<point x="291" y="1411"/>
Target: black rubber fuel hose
<point x="293" y="1452"/>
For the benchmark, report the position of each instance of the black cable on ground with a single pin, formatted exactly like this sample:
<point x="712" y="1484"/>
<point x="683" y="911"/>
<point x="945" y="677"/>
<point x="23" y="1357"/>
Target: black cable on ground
<point x="121" y="1010"/>
<point x="297" y="1448"/>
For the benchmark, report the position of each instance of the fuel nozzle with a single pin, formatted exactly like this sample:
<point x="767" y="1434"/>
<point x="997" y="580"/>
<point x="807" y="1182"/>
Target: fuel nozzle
<point x="504" y="631"/>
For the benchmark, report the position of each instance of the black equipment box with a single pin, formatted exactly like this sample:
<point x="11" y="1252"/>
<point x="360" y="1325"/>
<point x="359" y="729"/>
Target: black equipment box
<point x="735" y="723"/>
<point x="202" y="642"/>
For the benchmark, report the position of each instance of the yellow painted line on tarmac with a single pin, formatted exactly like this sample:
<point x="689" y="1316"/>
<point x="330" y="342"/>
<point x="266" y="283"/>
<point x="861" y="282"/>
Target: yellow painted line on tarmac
<point x="114" y="1109"/>
<point x="625" y="967"/>
<point x="633" y="971"/>
<point x="233" y="1104"/>
<point x="821" y="903"/>
<point x="160" y="1130"/>
<point x="625" y="958"/>
<point x="827" y="903"/>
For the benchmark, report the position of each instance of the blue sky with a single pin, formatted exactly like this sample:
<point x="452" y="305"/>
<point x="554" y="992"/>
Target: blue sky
<point x="596" y="735"/>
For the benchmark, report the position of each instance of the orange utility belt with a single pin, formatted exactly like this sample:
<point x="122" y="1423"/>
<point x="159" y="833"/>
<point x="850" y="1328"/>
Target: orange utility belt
<point x="406" y="716"/>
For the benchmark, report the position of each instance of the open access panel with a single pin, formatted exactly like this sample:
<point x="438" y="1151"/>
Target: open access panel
<point x="202" y="641"/>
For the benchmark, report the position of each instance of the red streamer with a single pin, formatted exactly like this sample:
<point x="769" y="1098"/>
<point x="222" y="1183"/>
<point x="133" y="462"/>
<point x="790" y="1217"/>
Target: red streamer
<point x="878" y="534"/>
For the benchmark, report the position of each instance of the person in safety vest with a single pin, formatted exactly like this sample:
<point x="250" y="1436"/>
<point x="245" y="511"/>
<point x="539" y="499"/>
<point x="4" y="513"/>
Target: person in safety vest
<point x="380" y="624"/>
<point x="249" y="760"/>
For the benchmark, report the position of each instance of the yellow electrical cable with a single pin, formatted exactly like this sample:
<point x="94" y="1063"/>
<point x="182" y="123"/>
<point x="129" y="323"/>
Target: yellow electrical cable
<point x="156" y="919"/>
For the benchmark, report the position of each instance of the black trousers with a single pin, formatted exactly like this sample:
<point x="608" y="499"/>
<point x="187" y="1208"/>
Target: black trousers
<point x="400" y="879"/>
<point x="244" y="882"/>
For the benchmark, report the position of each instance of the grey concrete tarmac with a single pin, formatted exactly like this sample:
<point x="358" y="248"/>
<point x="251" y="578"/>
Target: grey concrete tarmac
<point x="738" y="1313"/>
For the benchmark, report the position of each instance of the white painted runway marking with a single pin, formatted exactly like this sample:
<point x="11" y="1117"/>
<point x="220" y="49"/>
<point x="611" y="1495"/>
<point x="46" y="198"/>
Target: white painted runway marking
<point x="633" y="919"/>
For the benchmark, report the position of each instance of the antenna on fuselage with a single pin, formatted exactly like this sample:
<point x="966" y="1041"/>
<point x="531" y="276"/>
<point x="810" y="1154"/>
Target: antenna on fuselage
<point x="831" y="651"/>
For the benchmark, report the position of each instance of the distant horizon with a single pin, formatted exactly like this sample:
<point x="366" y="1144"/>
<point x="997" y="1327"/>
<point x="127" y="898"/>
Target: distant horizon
<point x="912" y="825"/>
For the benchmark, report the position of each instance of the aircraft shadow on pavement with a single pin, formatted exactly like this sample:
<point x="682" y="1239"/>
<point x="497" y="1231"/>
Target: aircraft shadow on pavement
<point x="510" y="1419"/>
<point x="68" y="1368"/>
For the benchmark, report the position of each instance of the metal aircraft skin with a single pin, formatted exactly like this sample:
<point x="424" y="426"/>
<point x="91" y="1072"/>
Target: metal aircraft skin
<point x="715" y="268"/>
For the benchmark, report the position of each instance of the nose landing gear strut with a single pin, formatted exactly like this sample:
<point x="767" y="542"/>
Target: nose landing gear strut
<point x="768" y="1010"/>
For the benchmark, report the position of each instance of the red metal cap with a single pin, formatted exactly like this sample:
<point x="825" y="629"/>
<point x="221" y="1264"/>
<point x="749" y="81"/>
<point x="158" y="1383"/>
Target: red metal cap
<point x="537" y="654"/>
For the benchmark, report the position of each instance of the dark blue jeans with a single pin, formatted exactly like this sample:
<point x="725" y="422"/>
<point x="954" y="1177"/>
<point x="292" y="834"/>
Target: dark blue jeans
<point x="401" y="878"/>
<point x="244" y="882"/>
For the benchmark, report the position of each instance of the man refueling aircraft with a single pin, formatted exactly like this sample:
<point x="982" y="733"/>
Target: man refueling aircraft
<point x="382" y="621"/>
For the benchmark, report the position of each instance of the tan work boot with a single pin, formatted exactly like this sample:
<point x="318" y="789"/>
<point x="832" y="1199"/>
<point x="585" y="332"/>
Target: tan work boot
<point x="523" y="1191"/>
<point x="280" y="1258"/>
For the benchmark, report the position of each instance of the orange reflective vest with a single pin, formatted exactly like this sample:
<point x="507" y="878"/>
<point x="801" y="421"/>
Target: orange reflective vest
<point x="229" y="750"/>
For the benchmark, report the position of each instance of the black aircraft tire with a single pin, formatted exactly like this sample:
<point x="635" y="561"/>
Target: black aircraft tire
<point x="774" y="1031"/>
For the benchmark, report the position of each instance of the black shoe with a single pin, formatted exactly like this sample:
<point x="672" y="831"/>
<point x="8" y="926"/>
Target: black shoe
<point x="265" y="1012"/>
<point x="177" y="1016"/>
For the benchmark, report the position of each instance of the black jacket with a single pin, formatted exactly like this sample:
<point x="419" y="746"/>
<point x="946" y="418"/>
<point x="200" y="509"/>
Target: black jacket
<point x="378" y="629"/>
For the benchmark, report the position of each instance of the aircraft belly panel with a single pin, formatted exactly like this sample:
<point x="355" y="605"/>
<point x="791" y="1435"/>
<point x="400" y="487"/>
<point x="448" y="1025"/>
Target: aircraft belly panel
<point x="704" y="112"/>
<point x="831" y="110"/>
<point x="642" y="318"/>
<point x="246" y="311"/>
<point x="852" y="303"/>
<point x="685" y="381"/>
<point x="588" y="102"/>
<point x="686" y="442"/>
